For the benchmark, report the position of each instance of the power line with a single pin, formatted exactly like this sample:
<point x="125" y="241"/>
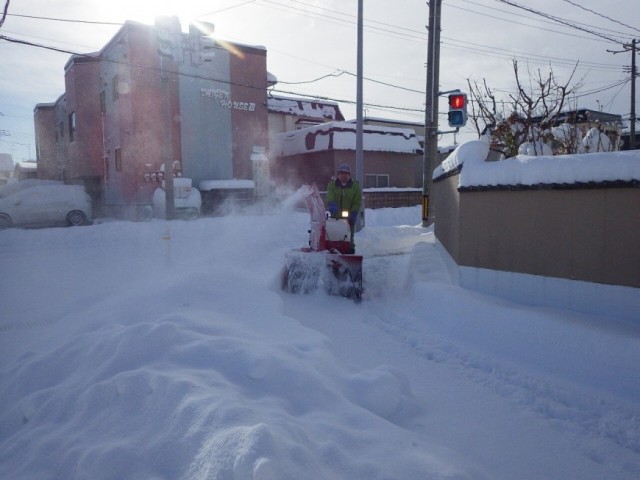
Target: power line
<point x="549" y="22"/>
<point x="558" y="20"/>
<point x="188" y="75"/>
<point x="67" y="20"/>
<point x="515" y="22"/>
<point x="501" y="52"/>
<point x="601" y="15"/>
<point x="411" y="35"/>
<point x="352" y="102"/>
<point x="225" y="9"/>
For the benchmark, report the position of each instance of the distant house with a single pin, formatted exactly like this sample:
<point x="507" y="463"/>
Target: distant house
<point x="6" y="168"/>
<point x="625" y="138"/>
<point x="24" y="170"/>
<point x="287" y="114"/>
<point x="392" y="156"/>
<point x="584" y="120"/>
<point x="417" y="127"/>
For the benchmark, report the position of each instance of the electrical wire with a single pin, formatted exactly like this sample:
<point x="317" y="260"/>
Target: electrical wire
<point x="189" y="75"/>
<point x="411" y="34"/>
<point x="66" y="20"/>
<point x="559" y="20"/>
<point x="601" y="15"/>
<point x="542" y="21"/>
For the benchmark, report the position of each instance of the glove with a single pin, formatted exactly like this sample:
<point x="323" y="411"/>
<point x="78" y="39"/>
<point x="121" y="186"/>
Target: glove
<point x="353" y="216"/>
<point x="333" y="208"/>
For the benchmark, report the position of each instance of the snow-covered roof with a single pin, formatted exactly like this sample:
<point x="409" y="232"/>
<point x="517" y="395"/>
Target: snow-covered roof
<point x="27" y="165"/>
<point x="304" y="107"/>
<point x="390" y="121"/>
<point x="527" y="171"/>
<point x="626" y="129"/>
<point x="342" y="136"/>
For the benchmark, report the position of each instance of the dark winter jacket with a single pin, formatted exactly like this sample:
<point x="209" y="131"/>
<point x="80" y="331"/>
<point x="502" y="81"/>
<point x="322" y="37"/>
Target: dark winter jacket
<point x="340" y="198"/>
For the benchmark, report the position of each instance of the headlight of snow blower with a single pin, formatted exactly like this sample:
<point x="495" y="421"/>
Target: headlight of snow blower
<point x="345" y="214"/>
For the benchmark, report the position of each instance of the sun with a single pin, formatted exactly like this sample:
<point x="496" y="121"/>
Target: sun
<point x="146" y="11"/>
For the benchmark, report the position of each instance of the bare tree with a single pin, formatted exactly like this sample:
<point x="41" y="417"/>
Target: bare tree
<point x="526" y="116"/>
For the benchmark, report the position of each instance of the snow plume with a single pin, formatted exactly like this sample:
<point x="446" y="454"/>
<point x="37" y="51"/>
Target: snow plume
<point x="296" y="199"/>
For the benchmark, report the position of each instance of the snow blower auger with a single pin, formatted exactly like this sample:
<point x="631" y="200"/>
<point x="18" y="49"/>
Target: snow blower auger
<point x="329" y="258"/>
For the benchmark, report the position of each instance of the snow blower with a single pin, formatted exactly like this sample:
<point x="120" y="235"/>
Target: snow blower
<point x="329" y="258"/>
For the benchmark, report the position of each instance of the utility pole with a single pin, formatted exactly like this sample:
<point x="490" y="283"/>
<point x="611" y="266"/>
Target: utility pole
<point x="430" y="158"/>
<point x="359" y="105"/>
<point x="170" y="207"/>
<point x="168" y="33"/>
<point x="632" y="115"/>
<point x="632" y="112"/>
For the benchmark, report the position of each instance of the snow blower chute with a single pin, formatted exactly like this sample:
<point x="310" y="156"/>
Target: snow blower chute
<point x="329" y="259"/>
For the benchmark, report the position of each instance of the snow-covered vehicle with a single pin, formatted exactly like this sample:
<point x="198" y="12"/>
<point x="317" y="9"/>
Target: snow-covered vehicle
<point x="187" y="200"/>
<point x="17" y="186"/>
<point x="44" y="205"/>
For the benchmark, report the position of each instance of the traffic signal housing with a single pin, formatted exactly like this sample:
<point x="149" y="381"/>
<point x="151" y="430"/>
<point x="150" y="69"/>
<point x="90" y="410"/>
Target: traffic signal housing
<point x="457" y="110"/>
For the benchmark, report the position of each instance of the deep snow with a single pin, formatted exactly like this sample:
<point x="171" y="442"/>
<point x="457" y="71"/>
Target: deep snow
<point x="165" y="350"/>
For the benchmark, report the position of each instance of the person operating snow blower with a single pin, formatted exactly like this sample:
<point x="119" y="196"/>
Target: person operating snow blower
<point x="344" y="198"/>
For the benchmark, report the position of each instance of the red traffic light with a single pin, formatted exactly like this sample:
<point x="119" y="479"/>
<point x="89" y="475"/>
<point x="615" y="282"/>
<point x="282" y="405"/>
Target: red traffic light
<point x="458" y="101"/>
<point x="457" y="110"/>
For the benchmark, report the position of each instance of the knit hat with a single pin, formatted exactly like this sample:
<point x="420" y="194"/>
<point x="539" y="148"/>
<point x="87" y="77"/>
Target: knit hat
<point x="344" y="167"/>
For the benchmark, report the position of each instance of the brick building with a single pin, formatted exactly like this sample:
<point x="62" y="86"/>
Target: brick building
<point x="154" y="96"/>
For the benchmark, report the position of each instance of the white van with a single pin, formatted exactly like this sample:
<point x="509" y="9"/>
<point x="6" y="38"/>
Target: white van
<point x="45" y="205"/>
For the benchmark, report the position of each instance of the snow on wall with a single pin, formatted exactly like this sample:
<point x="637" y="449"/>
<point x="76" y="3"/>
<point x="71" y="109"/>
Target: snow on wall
<point x="528" y="171"/>
<point x="342" y="136"/>
<point x="537" y="290"/>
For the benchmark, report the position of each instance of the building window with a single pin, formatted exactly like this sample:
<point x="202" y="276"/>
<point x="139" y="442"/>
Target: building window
<point x="114" y="85"/>
<point x="72" y="126"/>
<point x="118" y="154"/>
<point x="376" y="181"/>
<point x="103" y="102"/>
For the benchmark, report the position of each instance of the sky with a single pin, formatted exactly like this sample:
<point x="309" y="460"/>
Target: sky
<point x="311" y="49"/>
<point x="166" y="350"/>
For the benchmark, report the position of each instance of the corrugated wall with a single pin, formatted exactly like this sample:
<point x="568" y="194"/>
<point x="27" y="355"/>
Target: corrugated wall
<point x="588" y="234"/>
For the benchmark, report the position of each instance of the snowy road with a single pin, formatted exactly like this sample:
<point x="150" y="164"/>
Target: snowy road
<point x="494" y="377"/>
<point x="124" y="354"/>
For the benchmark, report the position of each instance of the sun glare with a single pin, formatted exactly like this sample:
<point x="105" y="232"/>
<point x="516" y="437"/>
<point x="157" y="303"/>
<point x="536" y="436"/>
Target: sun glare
<point x="146" y="11"/>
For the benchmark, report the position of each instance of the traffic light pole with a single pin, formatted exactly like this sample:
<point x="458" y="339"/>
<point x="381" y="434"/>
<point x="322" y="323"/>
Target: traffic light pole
<point x="170" y="209"/>
<point x="430" y="158"/>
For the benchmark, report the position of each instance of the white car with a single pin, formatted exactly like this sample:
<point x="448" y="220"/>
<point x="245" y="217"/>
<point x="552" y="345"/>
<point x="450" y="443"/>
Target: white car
<point x="16" y="186"/>
<point x="46" y="205"/>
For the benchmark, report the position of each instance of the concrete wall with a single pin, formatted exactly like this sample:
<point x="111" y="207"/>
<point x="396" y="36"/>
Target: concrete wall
<point x="590" y="234"/>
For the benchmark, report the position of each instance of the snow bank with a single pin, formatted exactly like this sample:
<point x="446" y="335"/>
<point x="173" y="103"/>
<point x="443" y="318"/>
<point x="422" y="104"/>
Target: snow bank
<point x="166" y="350"/>
<point x="469" y="159"/>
